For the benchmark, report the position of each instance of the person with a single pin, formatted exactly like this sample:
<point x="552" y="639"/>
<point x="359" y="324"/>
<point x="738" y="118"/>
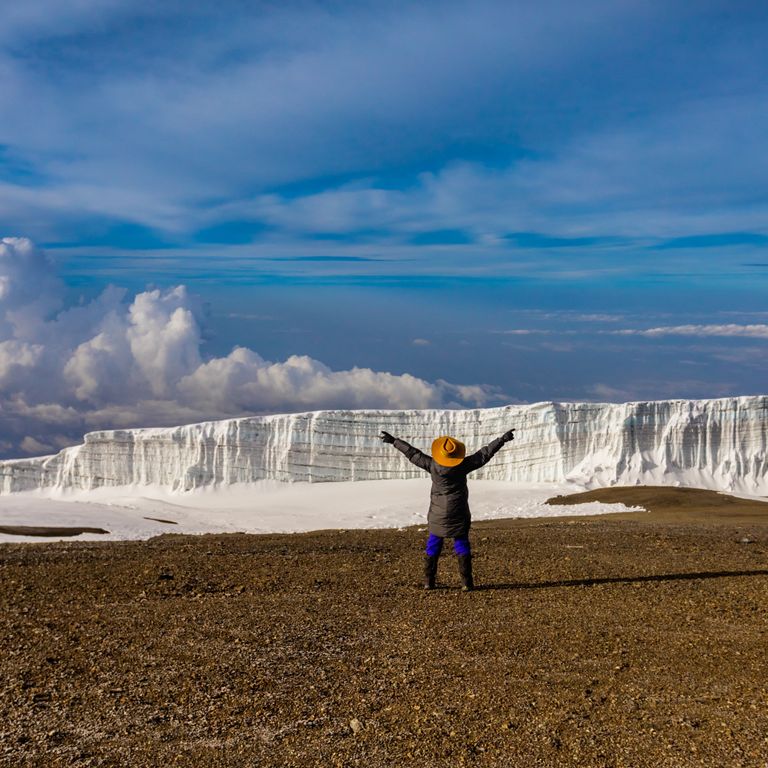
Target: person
<point x="449" y="515"/>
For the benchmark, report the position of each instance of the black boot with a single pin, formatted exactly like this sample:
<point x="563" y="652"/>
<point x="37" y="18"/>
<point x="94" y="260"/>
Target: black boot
<point x="430" y="571"/>
<point x="465" y="571"/>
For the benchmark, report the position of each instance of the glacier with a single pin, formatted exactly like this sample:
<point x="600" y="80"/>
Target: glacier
<point x="718" y="443"/>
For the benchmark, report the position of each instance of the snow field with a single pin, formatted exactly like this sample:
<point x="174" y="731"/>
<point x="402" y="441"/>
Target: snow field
<point x="270" y="507"/>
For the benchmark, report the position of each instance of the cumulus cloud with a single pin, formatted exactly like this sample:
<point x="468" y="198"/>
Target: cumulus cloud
<point x="31" y="445"/>
<point x="29" y="288"/>
<point x="245" y="381"/>
<point x="122" y="361"/>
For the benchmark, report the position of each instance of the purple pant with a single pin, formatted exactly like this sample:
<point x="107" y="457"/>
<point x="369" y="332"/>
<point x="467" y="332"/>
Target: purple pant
<point x="435" y="545"/>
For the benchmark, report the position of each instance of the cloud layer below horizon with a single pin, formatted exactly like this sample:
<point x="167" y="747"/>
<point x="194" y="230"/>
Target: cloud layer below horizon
<point x="136" y="361"/>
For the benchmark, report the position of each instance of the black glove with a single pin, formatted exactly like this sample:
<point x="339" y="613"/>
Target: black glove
<point x="386" y="437"/>
<point x="507" y="436"/>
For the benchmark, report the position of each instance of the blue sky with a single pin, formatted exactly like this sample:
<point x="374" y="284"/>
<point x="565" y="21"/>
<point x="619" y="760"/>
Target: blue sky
<point x="502" y="194"/>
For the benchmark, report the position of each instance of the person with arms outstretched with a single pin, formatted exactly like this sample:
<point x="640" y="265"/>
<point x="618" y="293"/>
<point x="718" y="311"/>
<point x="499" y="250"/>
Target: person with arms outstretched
<point x="449" y="515"/>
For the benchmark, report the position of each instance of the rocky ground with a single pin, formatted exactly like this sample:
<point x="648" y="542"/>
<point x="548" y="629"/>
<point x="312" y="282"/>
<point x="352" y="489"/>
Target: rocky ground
<point x="631" y="641"/>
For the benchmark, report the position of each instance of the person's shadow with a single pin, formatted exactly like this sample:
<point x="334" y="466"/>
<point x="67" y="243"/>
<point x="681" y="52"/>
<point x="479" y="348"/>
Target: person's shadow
<point x="623" y="580"/>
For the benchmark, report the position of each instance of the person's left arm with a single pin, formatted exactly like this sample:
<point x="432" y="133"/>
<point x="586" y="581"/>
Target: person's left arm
<point x="487" y="452"/>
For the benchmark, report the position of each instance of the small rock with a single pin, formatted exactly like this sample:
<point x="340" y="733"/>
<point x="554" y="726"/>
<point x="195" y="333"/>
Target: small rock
<point x="355" y="725"/>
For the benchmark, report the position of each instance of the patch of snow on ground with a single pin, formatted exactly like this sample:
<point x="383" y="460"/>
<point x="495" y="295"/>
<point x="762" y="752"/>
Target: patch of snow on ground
<point x="271" y="507"/>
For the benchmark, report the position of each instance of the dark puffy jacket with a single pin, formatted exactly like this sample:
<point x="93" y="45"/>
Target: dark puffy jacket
<point x="449" y="503"/>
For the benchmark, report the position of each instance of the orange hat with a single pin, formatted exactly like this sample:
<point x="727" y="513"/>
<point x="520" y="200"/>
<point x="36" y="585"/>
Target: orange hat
<point x="448" y="451"/>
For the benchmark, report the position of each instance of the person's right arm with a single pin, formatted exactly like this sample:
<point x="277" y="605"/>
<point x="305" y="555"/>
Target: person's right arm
<point x="414" y="455"/>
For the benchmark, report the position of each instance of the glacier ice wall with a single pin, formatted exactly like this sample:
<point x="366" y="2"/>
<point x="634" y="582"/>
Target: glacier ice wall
<point x="709" y="443"/>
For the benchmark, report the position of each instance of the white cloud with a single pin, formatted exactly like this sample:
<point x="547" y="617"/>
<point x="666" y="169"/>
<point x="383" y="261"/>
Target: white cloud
<point x="244" y="381"/>
<point x="359" y="89"/>
<point x="759" y="331"/>
<point x="753" y="331"/>
<point x="17" y="356"/>
<point x="115" y="362"/>
<point x="596" y="318"/>
<point x="525" y="332"/>
<point x="609" y="393"/>
<point x="329" y="91"/>
<point x="29" y="288"/>
<point x="31" y="445"/>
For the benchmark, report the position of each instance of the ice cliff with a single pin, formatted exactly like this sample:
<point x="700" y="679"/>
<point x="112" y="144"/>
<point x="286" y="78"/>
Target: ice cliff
<point x="710" y="443"/>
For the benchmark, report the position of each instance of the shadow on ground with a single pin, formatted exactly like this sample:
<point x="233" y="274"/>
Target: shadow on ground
<point x="624" y="580"/>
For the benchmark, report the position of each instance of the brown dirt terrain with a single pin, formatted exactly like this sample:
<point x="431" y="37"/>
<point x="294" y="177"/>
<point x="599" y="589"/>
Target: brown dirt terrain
<point x="673" y="505"/>
<point x="591" y="642"/>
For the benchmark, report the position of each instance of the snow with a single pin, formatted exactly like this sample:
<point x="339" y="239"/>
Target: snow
<point x="270" y="507"/>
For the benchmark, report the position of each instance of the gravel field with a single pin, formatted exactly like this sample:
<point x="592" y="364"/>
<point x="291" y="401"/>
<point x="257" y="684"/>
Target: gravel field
<point x="632" y="640"/>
